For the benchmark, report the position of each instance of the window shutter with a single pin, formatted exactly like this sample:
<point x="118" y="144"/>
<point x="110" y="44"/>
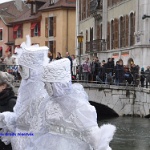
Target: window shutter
<point x="39" y="29"/>
<point x="54" y="48"/>
<point x="86" y="35"/>
<point x="21" y="31"/>
<point x="32" y="32"/>
<point x="108" y="36"/>
<point x="127" y="30"/>
<point x="98" y="31"/>
<point x="116" y="33"/>
<point x="88" y="9"/>
<point x="14" y="34"/>
<point x="133" y="28"/>
<point x="124" y="32"/>
<point x="46" y="43"/>
<point x="112" y="34"/>
<point x="54" y="26"/>
<point x="80" y="13"/>
<point x="46" y="27"/>
<point x="83" y="9"/>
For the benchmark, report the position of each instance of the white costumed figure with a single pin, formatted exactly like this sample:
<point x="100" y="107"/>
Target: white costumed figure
<point x="51" y="112"/>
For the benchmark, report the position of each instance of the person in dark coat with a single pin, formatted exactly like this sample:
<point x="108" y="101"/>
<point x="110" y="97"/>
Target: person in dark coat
<point x="135" y="73"/>
<point x="58" y="56"/>
<point x="142" y="77"/>
<point x="119" y="73"/>
<point x="7" y="102"/>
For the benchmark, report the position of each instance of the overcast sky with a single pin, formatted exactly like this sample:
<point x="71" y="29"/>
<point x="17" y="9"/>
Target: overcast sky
<point x="2" y="1"/>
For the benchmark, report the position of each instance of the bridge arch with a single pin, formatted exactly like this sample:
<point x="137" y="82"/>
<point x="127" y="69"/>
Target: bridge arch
<point x="123" y="100"/>
<point x="103" y="111"/>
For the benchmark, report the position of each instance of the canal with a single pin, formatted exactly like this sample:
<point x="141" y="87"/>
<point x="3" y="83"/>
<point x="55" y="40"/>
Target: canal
<point x="132" y="133"/>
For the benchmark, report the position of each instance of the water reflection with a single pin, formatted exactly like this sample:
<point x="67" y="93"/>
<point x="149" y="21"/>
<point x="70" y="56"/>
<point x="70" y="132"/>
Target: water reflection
<point x="132" y="133"/>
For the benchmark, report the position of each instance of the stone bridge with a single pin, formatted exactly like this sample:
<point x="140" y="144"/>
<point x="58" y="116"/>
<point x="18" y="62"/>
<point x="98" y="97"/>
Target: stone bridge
<point x="120" y="100"/>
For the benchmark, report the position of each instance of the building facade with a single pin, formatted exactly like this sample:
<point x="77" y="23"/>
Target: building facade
<point x="9" y="12"/>
<point x="50" y="23"/>
<point x="115" y="28"/>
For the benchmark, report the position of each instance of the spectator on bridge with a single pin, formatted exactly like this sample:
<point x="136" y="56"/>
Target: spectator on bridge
<point x="127" y="75"/>
<point x="101" y="73"/>
<point x="142" y="77"/>
<point x="86" y="69"/>
<point x="147" y="75"/>
<point x="109" y="70"/>
<point x="94" y="68"/>
<point x="135" y="73"/>
<point x="74" y="65"/>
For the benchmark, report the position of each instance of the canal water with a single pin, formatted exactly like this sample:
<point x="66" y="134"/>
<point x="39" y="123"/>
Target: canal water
<point x="131" y="134"/>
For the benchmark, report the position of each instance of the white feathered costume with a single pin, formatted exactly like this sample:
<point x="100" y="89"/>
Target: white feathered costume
<point x="51" y="112"/>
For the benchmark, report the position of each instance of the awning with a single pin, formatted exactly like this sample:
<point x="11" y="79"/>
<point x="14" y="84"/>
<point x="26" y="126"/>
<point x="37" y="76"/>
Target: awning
<point x="0" y="30"/>
<point x="8" y="49"/>
<point x="33" y="25"/>
<point x="1" y="48"/>
<point x="16" y="27"/>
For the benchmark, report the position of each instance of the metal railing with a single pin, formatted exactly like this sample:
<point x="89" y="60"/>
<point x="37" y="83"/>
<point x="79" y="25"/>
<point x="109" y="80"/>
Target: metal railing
<point x="108" y="76"/>
<point x="94" y="46"/>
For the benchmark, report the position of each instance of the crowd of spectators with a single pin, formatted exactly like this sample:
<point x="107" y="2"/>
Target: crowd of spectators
<point x="101" y="72"/>
<point x="109" y="72"/>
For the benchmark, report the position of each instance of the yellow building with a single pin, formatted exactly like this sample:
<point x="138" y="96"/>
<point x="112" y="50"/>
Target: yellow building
<point x="50" y="23"/>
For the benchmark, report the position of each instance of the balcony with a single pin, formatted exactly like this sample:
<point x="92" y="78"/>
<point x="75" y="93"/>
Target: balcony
<point x="94" y="46"/>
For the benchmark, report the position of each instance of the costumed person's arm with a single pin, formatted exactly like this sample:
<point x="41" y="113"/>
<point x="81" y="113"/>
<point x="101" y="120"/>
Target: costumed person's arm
<point x="97" y="137"/>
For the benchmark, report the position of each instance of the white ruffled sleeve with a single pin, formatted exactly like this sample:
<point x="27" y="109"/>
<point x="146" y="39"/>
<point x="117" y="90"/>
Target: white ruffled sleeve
<point x="98" y="138"/>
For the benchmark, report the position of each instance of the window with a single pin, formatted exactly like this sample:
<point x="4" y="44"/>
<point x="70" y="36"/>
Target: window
<point x="51" y="2"/>
<point x="50" y="26"/>
<point x="1" y="51"/>
<point x="35" y="29"/>
<point x="1" y="34"/>
<point x="18" y="31"/>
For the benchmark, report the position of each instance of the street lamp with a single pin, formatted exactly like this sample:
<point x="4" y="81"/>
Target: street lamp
<point x="80" y="41"/>
<point x="145" y="16"/>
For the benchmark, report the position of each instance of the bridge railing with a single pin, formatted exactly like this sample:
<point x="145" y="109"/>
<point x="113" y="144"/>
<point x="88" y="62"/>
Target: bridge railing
<point x="113" y="76"/>
<point x="108" y="76"/>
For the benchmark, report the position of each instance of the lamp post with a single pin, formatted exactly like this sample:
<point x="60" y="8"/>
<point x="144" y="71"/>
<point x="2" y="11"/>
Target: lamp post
<point x="80" y="40"/>
<point x="145" y="16"/>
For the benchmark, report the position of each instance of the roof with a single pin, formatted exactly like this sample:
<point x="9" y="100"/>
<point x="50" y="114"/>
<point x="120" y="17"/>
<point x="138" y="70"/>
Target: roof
<point x="27" y="15"/>
<point x="30" y="1"/>
<point x="59" y="4"/>
<point x="9" y="11"/>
